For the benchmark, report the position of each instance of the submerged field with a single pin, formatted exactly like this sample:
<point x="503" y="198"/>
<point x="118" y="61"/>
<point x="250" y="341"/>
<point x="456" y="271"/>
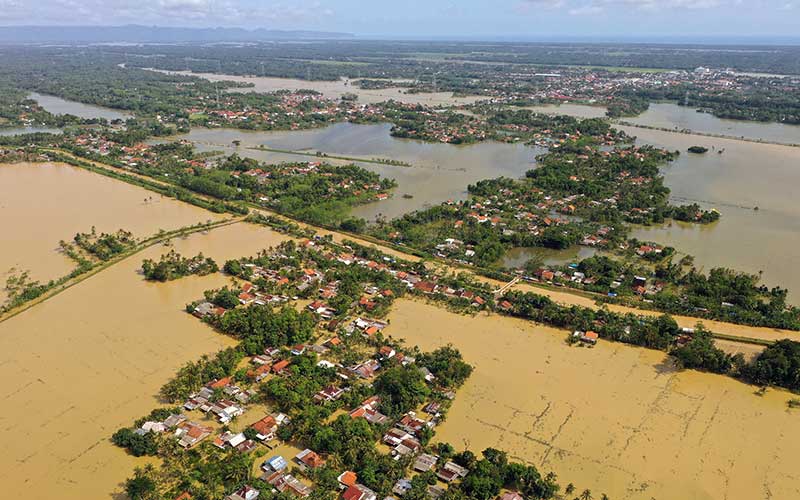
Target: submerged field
<point x="615" y="419"/>
<point x="89" y="360"/>
<point x="41" y="204"/>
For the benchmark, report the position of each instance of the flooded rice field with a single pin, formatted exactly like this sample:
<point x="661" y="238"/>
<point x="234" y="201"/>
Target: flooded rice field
<point x="91" y="359"/>
<point x="615" y="419"/>
<point x="41" y="204"/>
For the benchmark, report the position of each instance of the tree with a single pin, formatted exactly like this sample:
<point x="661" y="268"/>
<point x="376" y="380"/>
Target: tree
<point x="401" y="388"/>
<point x="141" y="486"/>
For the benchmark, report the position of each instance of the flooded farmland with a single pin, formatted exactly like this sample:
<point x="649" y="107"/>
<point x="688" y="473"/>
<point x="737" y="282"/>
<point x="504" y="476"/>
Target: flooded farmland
<point x="745" y="176"/>
<point x="59" y="106"/>
<point x="615" y="419"/>
<point x="91" y="359"/>
<point x="335" y="89"/>
<point x="41" y="204"/>
<point x="673" y="116"/>
<point x="438" y="172"/>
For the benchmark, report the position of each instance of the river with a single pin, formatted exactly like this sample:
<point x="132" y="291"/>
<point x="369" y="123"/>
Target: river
<point x="615" y="419"/>
<point x="439" y="172"/>
<point x="59" y="106"/>
<point x="91" y="359"/>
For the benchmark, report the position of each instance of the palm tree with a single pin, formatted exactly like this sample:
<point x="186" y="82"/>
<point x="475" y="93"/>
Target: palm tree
<point x="586" y="495"/>
<point x="569" y="489"/>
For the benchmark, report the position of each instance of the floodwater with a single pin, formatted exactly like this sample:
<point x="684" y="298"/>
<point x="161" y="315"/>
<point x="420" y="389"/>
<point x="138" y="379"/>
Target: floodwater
<point x="91" y="359"/>
<point x="335" y="89"/>
<point x="517" y="257"/>
<point x="439" y="172"/>
<point x="59" y="106"/>
<point x="673" y="116"/>
<point x="747" y="175"/>
<point x="43" y="203"/>
<point x="615" y="419"/>
<point x="577" y="110"/>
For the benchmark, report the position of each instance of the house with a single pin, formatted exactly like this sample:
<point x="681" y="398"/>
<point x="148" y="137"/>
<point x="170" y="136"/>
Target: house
<point x="286" y="483"/>
<point x="191" y="433"/>
<point x="366" y="369"/>
<point x="309" y="459"/>
<point x="425" y="462"/>
<point x="359" y="492"/>
<point x="401" y="487"/>
<point x="588" y="337"/>
<point x="451" y="471"/>
<point x="510" y="495"/>
<point x="425" y="287"/>
<point x="229" y="439"/>
<point x="347" y="478"/>
<point x="386" y="352"/>
<point x="265" y="428"/>
<point x="281" y="367"/>
<point x="330" y="393"/>
<point x="369" y="411"/>
<point x="244" y="493"/>
<point x="276" y="464"/>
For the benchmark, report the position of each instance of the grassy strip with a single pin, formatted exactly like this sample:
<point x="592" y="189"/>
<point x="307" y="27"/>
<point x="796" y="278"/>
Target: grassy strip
<point x="165" y="189"/>
<point x="480" y="271"/>
<point x="57" y="286"/>
<point x="705" y="134"/>
<point x="326" y="156"/>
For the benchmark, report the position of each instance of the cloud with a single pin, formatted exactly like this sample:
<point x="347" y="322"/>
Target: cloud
<point x="248" y="13"/>
<point x="587" y="7"/>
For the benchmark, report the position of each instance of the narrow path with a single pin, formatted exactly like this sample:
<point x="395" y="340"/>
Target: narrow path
<point x="722" y="330"/>
<point x="143" y="245"/>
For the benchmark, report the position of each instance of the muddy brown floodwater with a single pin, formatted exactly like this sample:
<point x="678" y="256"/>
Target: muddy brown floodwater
<point x="91" y="359"/>
<point x="41" y="204"/>
<point x="615" y="419"/>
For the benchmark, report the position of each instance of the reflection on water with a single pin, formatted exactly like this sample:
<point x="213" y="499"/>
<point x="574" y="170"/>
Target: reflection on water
<point x="439" y="171"/>
<point x="672" y="116"/>
<point x="59" y="106"/>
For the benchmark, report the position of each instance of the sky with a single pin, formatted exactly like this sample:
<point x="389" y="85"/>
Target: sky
<point x="472" y="19"/>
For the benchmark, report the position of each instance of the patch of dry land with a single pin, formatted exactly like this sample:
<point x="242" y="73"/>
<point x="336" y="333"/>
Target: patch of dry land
<point x="91" y="359"/>
<point x="43" y="203"/>
<point x="616" y="418"/>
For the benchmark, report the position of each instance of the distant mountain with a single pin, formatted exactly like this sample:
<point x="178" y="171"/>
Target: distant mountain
<point x="151" y="34"/>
